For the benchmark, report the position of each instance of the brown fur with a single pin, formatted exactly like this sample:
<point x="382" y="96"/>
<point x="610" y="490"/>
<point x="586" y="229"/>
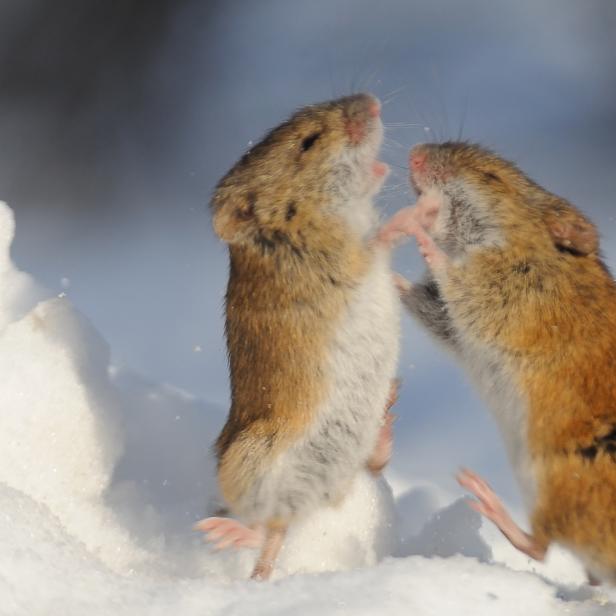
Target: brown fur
<point x="293" y="262"/>
<point x="279" y="317"/>
<point x="549" y="303"/>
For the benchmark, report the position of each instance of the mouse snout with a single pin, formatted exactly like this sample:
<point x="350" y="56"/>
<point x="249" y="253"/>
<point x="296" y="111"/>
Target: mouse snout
<point x="360" y="111"/>
<point x="374" y="108"/>
<point x="417" y="159"/>
<point x="422" y="166"/>
<point x="362" y="105"/>
<point x="379" y="169"/>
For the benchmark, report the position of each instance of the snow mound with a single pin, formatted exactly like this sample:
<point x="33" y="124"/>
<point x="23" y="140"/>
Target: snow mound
<point x="42" y="564"/>
<point x="358" y="533"/>
<point x="44" y="570"/>
<point x="102" y="475"/>
<point x="19" y="291"/>
<point x="58" y="432"/>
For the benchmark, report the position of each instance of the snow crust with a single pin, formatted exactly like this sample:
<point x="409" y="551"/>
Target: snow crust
<point x="102" y="475"/>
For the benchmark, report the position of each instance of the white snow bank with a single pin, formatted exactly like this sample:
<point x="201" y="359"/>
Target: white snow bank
<point x="19" y="291"/>
<point x="44" y="570"/>
<point x="58" y="426"/>
<point x="102" y="475"/>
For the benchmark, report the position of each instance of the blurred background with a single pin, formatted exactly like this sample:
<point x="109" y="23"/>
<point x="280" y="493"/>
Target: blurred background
<point x="117" y="119"/>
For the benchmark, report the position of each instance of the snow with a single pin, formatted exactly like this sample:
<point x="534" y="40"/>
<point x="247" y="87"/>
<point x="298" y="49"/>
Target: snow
<point x="103" y="474"/>
<point x="19" y="291"/>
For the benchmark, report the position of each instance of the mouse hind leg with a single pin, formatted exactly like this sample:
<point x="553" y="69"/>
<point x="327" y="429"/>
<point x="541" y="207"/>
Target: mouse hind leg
<point x="227" y="532"/>
<point x="490" y="506"/>
<point x="275" y="534"/>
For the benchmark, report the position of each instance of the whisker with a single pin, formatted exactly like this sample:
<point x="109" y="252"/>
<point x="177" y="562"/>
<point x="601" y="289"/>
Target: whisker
<point x="370" y="79"/>
<point x="402" y="124"/>
<point x="398" y="185"/>
<point x="399" y="189"/>
<point x="463" y="119"/>
<point x="392" y="141"/>
<point x="414" y="109"/>
<point x="436" y="75"/>
<point x="388" y="98"/>
<point x="399" y="173"/>
<point x="372" y="60"/>
<point x="331" y="75"/>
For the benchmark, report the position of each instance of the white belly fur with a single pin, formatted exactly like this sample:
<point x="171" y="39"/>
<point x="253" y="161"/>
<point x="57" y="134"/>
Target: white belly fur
<point x="318" y="469"/>
<point x="492" y="377"/>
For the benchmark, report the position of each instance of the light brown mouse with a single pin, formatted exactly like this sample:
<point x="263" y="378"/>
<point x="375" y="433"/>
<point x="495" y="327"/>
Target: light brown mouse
<point x="517" y="290"/>
<point x="311" y="322"/>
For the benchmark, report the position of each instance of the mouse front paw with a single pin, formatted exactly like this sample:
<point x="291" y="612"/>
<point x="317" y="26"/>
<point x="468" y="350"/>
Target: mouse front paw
<point x="435" y="258"/>
<point x="403" y="285"/>
<point x="384" y="446"/>
<point x="397" y="228"/>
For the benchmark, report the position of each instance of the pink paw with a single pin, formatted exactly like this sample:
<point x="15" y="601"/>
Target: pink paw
<point x="402" y="284"/>
<point x="226" y="532"/>
<point x="398" y="227"/>
<point x="488" y="503"/>
<point x="384" y="446"/>
<point x="433" y="255"/>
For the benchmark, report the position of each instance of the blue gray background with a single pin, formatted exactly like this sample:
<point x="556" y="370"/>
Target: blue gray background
<point x="116" y="120"/>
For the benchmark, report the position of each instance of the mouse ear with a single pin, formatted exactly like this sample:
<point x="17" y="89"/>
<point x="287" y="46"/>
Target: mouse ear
<point x="231" y="219"/>
<point x="572" y="231"/>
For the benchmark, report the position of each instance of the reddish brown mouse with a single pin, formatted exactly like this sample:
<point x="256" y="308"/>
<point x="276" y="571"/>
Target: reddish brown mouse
<point x="517" y="290"/>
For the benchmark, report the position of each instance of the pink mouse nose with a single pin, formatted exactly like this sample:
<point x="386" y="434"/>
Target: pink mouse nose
<point x="417" y="160"/>
<point x="374" y="109"/>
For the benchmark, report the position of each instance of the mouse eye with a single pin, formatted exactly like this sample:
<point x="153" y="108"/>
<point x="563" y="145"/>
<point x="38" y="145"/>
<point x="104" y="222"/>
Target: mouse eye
<point x="491" y="177"/>
<point x="309" y="141"/>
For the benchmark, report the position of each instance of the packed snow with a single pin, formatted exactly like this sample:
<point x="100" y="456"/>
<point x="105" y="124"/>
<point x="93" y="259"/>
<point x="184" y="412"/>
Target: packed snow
<point x="103" y="474"/>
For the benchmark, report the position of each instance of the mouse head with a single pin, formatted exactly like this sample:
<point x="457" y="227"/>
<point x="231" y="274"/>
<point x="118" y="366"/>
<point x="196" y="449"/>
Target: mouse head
<point x="470" y="197"/>
<point x="314" y="169"/>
